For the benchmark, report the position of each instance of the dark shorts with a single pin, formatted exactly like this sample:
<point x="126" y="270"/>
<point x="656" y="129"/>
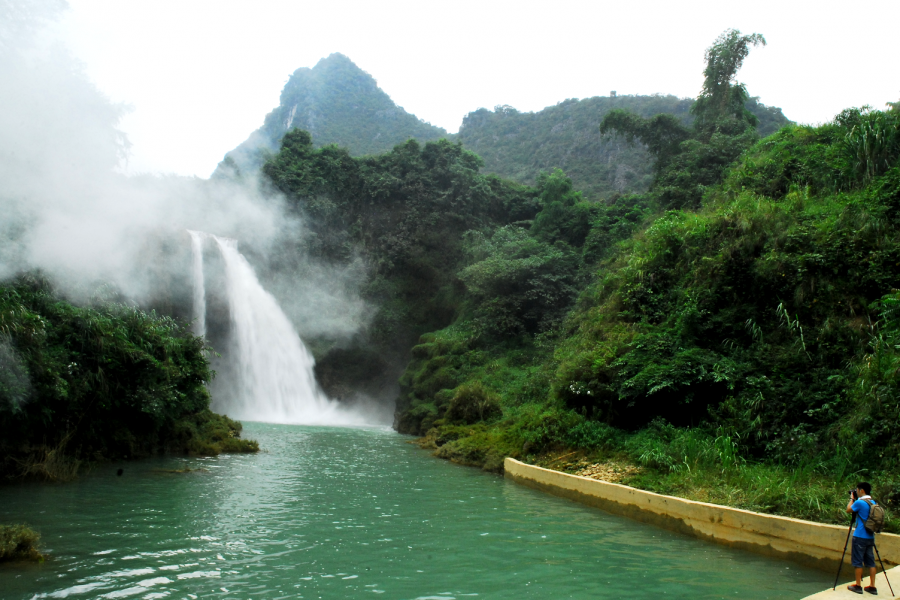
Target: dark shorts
<point x="863" y="552"/>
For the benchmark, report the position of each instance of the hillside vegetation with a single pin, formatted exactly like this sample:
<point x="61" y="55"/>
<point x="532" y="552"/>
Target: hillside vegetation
<point x="727" y="335"/>
<point x="739" y="347"/>
<point x="338" y="103"/>
<point x="100" y="382"/>
<point x="414" y="218"/>
<point x="520" y="146"/>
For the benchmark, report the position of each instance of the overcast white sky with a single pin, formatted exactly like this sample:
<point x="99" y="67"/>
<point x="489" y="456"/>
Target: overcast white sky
<point x="201" y="74"/>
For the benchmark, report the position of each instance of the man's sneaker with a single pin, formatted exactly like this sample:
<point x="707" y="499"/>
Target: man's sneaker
<point x="871" y="589"/>
<point x="856" y="589"/>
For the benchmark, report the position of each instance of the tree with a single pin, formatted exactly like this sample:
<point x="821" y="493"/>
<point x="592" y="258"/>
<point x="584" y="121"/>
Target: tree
<point x="518" y="284"/>
<point x="662" y="134"/>
<point x="722" y="98"/>
<point x="687" y="162"/>
<point x="564" y="215"/>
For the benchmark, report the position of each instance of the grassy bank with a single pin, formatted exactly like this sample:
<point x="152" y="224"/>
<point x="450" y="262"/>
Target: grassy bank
<point x="691" y="463"/>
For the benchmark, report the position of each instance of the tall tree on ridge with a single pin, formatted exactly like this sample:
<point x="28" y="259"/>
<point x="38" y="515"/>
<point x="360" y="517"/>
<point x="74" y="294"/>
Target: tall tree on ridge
<point x="723" y="98"/>
<point x="687" y="162"/>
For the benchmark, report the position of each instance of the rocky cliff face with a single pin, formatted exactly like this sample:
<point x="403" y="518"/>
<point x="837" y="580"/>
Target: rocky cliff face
<point x="338" y="103"/>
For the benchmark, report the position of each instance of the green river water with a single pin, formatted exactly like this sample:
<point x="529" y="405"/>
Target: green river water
<point x="355" y="513"/>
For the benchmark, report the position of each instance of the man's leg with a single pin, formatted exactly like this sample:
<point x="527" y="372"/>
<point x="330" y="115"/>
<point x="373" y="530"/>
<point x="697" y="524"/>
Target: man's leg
<point x="857" y="560"/>
<point x="869" y="561"/>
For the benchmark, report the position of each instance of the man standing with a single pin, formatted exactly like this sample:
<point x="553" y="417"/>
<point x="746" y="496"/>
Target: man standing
<point x="863" y="542"/>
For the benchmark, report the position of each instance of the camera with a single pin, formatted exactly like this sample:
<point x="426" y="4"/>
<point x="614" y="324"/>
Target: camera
<point x="853" y="494"/>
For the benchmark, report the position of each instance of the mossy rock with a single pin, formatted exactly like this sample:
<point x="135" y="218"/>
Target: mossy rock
<point x="19" y="543"/>
<point x="208" y="434"/>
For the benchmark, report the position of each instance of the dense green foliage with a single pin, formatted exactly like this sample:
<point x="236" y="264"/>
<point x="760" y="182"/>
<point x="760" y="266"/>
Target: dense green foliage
<point x="338" y="103"/>
<point x="520" y="283"/>
<point x="520" y="146"/>
<point x="751" y="307"/>
<point x="739" y="334"/>
<point x="748" y="346"/>
<point x="19" y="542"/>
<point x="108" y="381"/>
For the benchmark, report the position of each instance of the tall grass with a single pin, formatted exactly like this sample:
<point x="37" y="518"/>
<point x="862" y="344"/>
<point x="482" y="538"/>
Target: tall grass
<point x="708" y="466"/>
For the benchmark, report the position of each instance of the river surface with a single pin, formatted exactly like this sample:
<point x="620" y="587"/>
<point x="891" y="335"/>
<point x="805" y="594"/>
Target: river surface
<point x="340" y="513"/>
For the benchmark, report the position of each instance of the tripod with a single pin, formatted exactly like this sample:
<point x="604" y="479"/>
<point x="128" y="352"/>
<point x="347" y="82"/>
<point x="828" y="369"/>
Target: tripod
<point x="844" y="553"/>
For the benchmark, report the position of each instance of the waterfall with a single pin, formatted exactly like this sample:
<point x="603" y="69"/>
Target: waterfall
<point x="197" y="238"/>
<point x="277" y="382"/>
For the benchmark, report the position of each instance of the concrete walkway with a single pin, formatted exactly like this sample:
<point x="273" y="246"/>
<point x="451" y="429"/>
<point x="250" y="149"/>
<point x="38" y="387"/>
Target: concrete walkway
<point x="880" y="583"/>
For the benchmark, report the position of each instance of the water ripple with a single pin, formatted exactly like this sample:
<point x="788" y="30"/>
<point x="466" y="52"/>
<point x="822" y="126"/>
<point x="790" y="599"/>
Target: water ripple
<point x="352" y="513"/>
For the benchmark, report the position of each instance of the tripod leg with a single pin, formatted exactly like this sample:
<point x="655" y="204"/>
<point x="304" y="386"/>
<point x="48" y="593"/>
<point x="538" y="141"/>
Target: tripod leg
<point x="883" y="570"/>
<point x="841" y="564"/>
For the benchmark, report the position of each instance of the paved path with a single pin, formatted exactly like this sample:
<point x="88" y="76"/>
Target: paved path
<point x="843" y="592"/>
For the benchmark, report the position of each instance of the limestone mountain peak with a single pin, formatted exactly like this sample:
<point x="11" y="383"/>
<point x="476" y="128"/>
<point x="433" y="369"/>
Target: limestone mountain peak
<point x="338" y="103"/>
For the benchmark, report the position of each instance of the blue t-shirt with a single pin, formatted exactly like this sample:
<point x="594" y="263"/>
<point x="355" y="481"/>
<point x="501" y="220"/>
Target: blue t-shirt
<point x="862" y="508"/>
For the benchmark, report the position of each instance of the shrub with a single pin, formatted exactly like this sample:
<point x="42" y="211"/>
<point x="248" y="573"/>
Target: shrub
<point x="18" y="542"/>
<point x="209" y="434"/>
<point x="472" y="402"/>
<point x="517" y="282"/>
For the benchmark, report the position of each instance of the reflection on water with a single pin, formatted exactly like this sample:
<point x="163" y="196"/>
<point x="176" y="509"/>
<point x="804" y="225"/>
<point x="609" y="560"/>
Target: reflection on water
<point x="352" y="513"/>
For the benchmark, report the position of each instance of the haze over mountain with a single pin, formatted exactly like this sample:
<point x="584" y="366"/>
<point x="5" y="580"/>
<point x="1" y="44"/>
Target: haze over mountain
<point x="338" y="103"/>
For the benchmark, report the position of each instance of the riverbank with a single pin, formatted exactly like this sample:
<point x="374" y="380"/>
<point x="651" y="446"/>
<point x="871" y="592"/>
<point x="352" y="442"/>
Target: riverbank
<point x="813" y="544"/>
<point x="799" y="492"/>
<point x="200" y="434"/>
<point x="687" y="463"/>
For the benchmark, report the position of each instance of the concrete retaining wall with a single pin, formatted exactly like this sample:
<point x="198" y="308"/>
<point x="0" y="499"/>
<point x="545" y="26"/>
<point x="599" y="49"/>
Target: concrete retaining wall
<point x="813" y="544"/>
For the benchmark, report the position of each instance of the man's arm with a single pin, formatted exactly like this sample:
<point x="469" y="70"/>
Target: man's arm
<point x="850" y="506"/>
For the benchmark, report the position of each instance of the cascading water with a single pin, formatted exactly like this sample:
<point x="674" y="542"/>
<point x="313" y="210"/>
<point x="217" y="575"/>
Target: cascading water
<point x="277" y="381"/>
<point x="197" y="238"/>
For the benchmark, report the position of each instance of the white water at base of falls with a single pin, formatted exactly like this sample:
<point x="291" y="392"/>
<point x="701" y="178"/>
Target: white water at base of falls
<point x="199" y="324"/>
<point x="275" y="369"/>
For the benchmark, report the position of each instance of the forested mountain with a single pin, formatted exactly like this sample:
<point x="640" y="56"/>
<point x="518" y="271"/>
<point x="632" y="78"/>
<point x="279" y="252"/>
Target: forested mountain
<point x="519" y="146"/>
<point x="337" y="103"/>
